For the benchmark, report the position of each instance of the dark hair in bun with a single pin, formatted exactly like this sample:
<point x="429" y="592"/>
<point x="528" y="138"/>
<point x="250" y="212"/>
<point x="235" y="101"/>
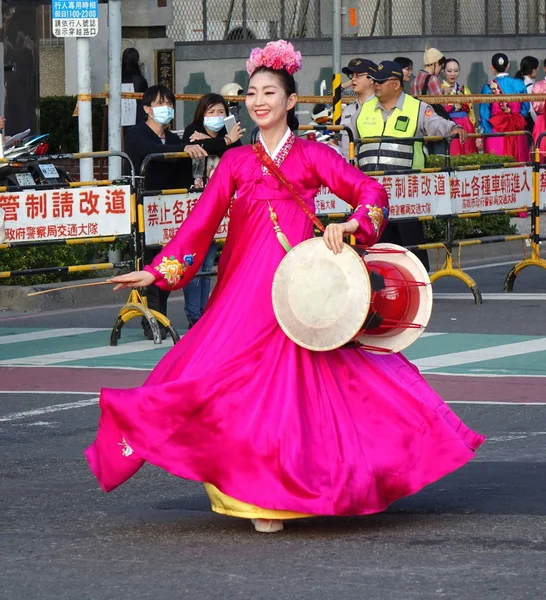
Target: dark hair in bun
<point x="500" y="62"/>
<point x="288" y="84"/>
<point x="526" y="66"/>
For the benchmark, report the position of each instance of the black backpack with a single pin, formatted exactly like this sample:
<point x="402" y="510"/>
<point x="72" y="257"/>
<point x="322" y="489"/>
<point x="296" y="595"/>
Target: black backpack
<point x="437" y="108"/>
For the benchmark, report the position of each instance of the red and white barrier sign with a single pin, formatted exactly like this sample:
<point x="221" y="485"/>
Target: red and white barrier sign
<point x="163" y="215"/>
<point x="436" y="194"/>
<point x="67" y="213"/>
<point x="417" y="194"/>
<point x="491" y="189"/>
<point x="413" y="195"/>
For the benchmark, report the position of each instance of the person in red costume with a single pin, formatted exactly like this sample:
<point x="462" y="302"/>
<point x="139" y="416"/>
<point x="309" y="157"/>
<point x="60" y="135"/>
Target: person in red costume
<point x="503" y="117"/>
<point x="275" y="431"/>
<point x="460" y="112"/>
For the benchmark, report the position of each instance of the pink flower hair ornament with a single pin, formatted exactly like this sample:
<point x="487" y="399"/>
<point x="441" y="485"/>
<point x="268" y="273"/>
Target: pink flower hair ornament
<point x="276" y="55"/>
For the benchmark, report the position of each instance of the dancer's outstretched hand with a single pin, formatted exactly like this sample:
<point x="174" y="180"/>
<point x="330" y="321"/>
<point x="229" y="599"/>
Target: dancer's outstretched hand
<point x="132" y="280"/>
<point x="334" y="232"/>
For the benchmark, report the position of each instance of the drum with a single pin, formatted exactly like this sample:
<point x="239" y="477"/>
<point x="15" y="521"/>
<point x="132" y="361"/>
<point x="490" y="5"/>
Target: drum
<point x="379" y="298"/>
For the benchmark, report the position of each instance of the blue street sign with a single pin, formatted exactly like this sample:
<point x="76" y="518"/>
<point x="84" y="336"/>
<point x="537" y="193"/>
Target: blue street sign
<point x="75" y="18"/>
<point x="75" y="9"/>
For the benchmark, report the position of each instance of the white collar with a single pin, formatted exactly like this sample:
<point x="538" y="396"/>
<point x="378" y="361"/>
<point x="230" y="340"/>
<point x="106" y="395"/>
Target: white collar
<point x="502" y="74"/>
<point x="285" y="137"/>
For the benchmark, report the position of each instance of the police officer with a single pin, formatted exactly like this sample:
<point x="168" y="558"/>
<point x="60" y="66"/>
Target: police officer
<point x="359" y="71"/>
<point x="394" y="114"/>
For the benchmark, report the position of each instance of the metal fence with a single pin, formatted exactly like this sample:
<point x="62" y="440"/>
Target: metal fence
<point x="203" y="20"/>
<point x="44" y="27"/>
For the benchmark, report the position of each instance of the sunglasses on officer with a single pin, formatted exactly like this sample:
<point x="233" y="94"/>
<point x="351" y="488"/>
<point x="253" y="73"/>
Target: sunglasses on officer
<point x="385" y="81"/>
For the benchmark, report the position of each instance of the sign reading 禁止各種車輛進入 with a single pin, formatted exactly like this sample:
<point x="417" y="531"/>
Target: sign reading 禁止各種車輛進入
<point x="75" y="18"/>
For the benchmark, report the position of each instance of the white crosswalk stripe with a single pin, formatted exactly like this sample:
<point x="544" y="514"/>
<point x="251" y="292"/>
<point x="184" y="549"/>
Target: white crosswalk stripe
<point x="48" y="334"/>
<point x="480" y="355"/>
<point x="62" y="357"/>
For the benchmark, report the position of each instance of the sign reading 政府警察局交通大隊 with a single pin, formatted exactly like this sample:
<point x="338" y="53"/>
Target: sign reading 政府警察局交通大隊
<point x="75" y="18"/>
<point x="45" y="215"/>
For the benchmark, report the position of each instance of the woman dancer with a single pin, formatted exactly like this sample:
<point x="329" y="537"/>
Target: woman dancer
<point x="276" y="431"/>
<point x="501" y="117"/>
<point x="460" y="112"/>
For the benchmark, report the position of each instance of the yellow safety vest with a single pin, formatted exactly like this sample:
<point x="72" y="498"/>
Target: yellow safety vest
<point x="389" y="155"/>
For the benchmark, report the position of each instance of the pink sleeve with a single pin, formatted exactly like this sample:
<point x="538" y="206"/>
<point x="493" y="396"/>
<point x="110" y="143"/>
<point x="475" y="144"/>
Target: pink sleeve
<point x="181" y="258"/>
<point x="366" y="195"/>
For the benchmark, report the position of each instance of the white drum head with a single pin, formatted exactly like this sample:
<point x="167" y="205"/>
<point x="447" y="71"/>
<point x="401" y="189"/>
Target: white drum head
<point x="321" y="299"/>
<point x="398" y="339"/>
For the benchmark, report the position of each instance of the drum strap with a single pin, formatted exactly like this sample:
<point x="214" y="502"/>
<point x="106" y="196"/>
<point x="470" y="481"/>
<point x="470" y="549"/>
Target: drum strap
<point x="267" y="161"/>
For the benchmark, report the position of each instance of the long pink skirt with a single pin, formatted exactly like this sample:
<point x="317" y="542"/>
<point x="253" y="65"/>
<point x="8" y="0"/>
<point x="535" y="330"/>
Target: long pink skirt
<point x="239" y="405"/>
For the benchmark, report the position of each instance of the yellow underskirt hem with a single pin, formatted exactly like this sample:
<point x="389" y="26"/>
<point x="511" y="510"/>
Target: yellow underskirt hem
<point x="226" y="505"/>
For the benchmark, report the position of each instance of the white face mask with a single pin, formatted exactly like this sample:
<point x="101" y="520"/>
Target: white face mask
<point x="213" y="123"/>
<point x="163" y="114"/>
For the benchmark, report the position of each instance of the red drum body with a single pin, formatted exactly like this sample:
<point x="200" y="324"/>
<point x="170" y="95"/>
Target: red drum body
<point x="401" y="299"/>
<point x="381" y="300"/>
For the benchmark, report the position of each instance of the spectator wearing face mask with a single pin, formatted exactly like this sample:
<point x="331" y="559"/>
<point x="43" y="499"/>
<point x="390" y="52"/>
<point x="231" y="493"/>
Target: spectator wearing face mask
<point x="207" y="128"/>
<point x="153" y="136"/>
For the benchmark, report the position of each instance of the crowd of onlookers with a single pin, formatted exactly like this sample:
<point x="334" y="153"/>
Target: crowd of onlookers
<point x="441" y="76"/>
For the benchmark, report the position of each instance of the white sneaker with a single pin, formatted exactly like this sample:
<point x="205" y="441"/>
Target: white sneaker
<point x="267" y="525"/>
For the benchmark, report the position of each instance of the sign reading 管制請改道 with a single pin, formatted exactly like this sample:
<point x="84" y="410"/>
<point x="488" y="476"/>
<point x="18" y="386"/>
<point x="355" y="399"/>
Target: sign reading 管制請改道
<point x="75" y="18"/>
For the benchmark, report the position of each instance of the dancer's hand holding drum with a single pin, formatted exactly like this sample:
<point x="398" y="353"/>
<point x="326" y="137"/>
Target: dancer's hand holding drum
<point x="334" y="233"/>
<point x="135" y="279"/>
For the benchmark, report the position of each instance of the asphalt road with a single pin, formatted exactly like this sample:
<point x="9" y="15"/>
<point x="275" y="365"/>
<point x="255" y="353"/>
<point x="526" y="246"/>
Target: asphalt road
<point x="478" y="533"/>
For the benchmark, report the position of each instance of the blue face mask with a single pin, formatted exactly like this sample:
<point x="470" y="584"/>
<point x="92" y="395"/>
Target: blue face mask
<point x="213" y="123"/>
<point x="163" y="114"/>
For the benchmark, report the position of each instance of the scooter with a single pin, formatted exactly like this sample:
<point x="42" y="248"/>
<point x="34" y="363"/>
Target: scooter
<point x="26" y="173"/>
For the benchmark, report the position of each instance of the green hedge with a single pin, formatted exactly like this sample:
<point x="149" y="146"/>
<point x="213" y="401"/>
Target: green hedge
<point x="467" y="160"/>
<point x="15" y="259"/>
<point x="436" y="231"/>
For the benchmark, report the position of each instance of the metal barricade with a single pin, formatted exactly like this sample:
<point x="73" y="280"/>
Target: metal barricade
<point x="137" y="305"/>
<point x="534" y="260"/>
<point x="452" y="210"/>
<point x="40" y="212"/>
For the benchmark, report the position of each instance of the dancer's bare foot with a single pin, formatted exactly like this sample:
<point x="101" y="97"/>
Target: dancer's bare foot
<point x="267" y="525"/>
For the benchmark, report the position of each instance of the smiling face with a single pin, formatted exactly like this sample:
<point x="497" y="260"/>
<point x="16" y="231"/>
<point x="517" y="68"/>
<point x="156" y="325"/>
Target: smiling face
<point x="267" y="101"/>
<point x="451" y="72"/>
<point x="407" y="72"/>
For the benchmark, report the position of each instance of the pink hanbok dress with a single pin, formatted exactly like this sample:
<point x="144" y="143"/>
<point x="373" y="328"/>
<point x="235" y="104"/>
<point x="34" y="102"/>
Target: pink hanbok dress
<point x="462" y="114"/>
<point x="502" y="117"/>
<point x="275" y="430"/>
